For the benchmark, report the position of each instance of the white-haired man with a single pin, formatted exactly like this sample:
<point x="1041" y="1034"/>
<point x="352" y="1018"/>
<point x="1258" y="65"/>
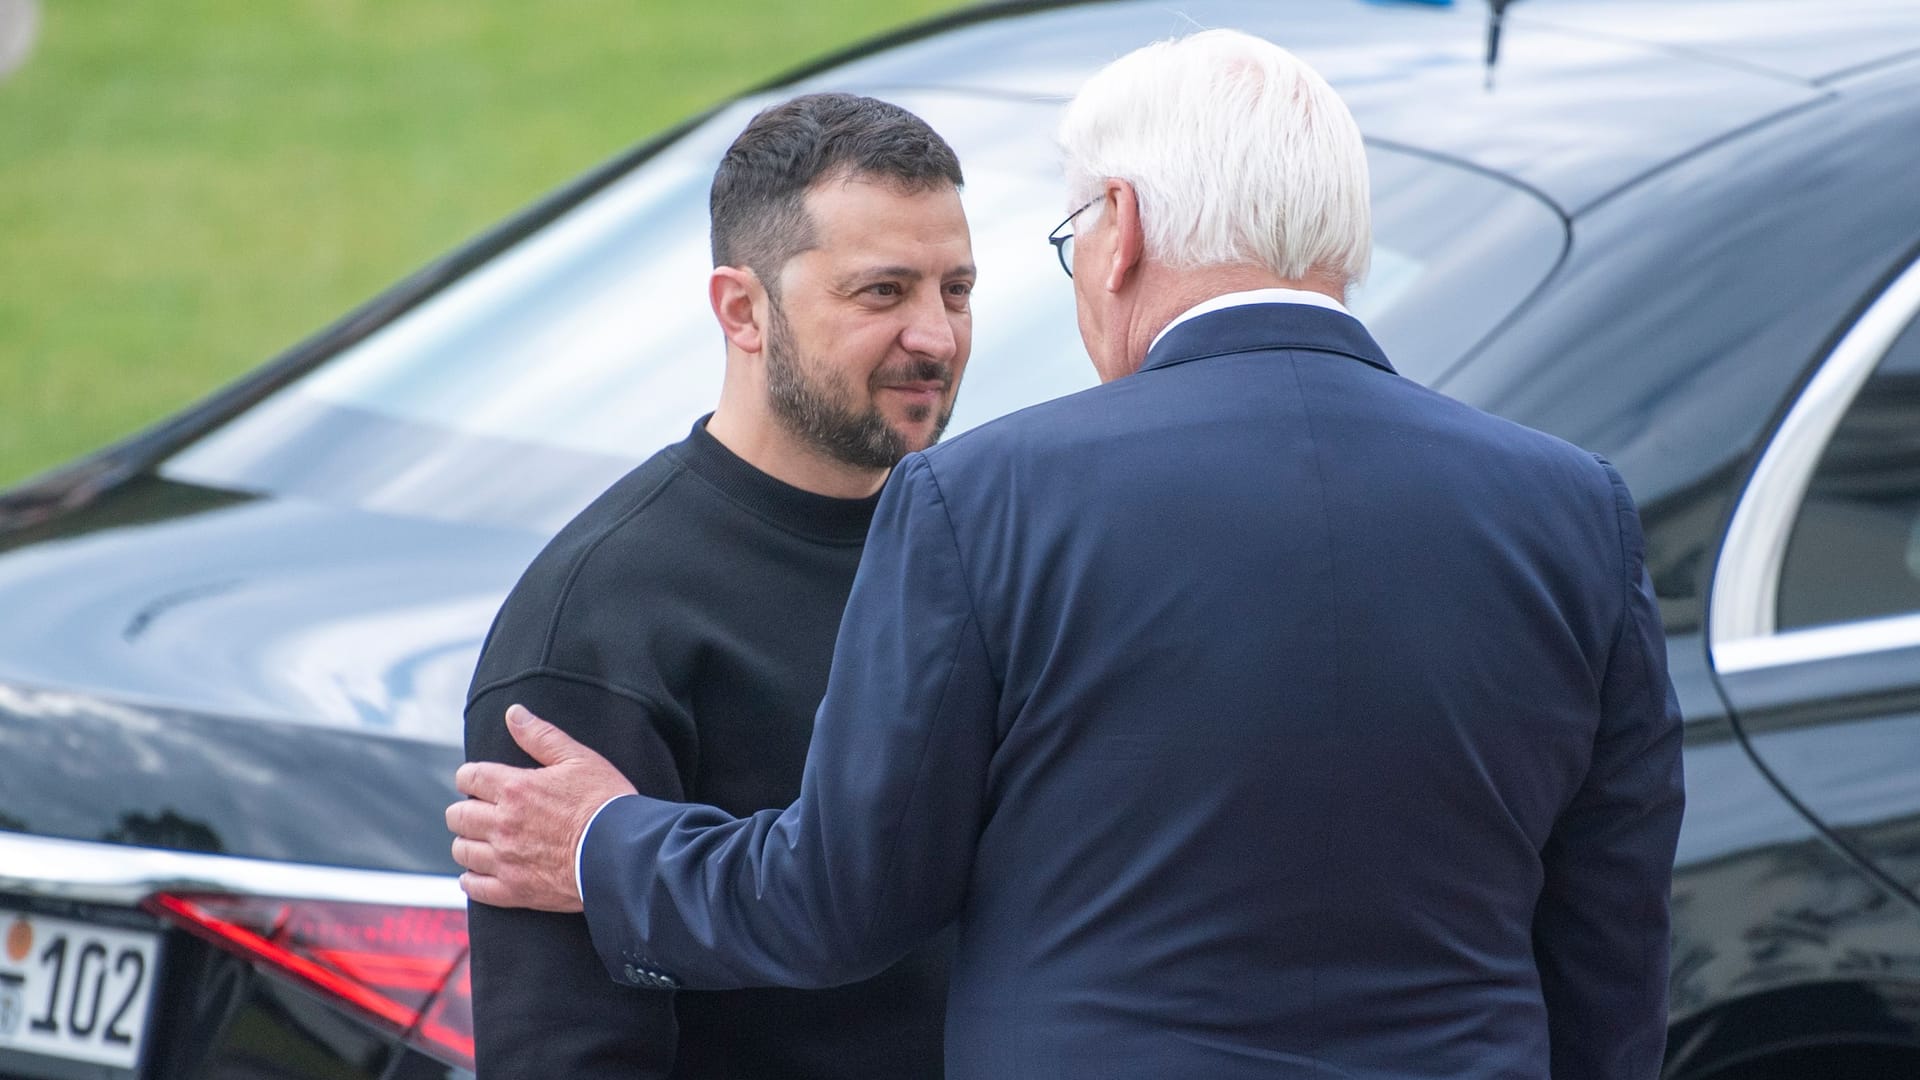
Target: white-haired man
<point x="1257" y="713"/>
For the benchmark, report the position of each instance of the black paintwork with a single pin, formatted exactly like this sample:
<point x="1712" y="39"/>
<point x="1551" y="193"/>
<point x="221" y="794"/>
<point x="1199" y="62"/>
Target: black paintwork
<point x="210" y="670"/>
<point x="85" y="769"/>
<point x="1691" y="307"/>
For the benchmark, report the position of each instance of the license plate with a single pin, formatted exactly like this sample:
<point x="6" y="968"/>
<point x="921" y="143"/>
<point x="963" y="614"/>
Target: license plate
<point x="76" y="991"/>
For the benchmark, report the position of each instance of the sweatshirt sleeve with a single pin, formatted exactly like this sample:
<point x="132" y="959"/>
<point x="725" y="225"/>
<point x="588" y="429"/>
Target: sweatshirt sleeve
<point x="595" y="1029"/>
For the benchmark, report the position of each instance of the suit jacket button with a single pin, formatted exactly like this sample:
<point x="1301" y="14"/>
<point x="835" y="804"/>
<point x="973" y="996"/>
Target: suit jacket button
<point x="632" y="973"/>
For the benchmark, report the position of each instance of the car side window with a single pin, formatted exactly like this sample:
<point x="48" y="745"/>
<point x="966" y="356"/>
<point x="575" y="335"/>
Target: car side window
<point x="1854" y="552"/>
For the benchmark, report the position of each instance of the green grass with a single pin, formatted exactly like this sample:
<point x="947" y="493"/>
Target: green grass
<point x="187" y="188"/>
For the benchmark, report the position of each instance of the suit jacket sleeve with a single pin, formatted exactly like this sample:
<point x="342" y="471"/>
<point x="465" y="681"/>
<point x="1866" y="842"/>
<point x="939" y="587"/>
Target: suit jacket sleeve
<point x="874" y="854"/>
<point x="1601" y="929"/>
<point x="540" y="1007"/>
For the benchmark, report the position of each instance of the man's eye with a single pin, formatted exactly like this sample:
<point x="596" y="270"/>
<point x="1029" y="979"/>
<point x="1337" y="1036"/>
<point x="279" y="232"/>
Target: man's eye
<point x="884" y="288"/>
<point x="960" y="288"/>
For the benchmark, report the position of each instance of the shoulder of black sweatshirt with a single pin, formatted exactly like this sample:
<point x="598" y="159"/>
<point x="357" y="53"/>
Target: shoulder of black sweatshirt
<point x="706" y="592"/>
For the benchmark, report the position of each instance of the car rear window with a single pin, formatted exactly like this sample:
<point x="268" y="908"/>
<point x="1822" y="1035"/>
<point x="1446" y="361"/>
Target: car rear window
<point x="517" y="394"/>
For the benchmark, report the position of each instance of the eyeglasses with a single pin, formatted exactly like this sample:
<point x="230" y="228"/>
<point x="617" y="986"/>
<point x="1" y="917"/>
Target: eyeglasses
<point x="1063" y="245"/>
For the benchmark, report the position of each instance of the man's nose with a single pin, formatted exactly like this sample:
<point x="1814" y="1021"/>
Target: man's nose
<point x="929" y="331"/>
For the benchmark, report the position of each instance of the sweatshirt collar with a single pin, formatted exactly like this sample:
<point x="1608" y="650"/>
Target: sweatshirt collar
<point x="795" y="509"/>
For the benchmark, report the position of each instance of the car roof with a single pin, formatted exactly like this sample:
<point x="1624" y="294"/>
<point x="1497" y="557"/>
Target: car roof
<point x="1588" y="97"/>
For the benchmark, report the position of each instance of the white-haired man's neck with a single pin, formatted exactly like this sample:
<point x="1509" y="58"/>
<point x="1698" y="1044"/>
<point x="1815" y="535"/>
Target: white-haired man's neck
<point x="1166" y="293"/>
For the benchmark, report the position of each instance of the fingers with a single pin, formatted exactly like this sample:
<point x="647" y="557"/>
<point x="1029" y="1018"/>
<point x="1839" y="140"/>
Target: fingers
<point x="484" y="888"/>
<point x="527" y="893"/>
<point x="474" y="819"/>
<point x="483" y="779"/>
<point x="476" y="855"/>
<point x="545" y="743"/>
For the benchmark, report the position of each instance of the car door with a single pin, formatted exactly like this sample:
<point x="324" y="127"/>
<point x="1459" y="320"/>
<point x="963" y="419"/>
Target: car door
<point x="1815" y="618"/>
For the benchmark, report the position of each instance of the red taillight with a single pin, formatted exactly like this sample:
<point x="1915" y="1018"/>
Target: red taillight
<point x="404" y="966"/>
<point x="449" y="1019"/>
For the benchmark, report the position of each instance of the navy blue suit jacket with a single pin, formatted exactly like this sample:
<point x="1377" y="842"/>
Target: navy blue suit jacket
<point x="1260" y="714"/>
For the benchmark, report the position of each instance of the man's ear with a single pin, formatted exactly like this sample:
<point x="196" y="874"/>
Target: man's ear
<point x="1129" y="240"/>
<point x="739" y="304"/>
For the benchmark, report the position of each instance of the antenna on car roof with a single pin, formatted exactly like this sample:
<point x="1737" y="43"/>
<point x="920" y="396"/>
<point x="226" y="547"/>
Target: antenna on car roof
<point x="1497" y="12"/>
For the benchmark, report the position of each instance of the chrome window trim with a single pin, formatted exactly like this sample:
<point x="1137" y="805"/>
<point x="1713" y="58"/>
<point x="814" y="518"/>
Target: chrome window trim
<point x="1746" y="583"/>
<point x="113" y="874"/>
<point x="1819" y="643"/>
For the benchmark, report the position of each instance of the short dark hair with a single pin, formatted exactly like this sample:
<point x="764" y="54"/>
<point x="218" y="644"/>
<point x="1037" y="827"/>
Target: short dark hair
<point x="758" y="199"/>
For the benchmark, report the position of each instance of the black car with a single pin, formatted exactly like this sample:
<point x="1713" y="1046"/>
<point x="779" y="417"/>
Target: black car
<point x="1682" y="233"/>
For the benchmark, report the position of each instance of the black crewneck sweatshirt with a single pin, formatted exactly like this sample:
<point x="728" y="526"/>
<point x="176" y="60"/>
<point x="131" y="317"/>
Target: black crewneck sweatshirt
<point x="683" y="626"/>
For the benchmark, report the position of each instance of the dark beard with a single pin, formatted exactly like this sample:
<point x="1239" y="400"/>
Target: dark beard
<point x="858" y="437"/>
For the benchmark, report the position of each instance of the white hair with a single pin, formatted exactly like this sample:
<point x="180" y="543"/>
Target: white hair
<point x="1237" y="151"/>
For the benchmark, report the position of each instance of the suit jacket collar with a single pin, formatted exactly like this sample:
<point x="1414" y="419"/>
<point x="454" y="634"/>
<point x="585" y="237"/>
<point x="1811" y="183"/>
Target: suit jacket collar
<point x="1264" y="327"/>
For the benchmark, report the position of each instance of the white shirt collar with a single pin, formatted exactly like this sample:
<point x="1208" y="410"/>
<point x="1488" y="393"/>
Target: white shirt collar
<point x="1253" y="296"/>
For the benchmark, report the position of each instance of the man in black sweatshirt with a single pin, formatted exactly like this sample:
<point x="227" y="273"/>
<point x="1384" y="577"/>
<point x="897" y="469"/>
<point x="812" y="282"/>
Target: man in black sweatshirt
<point x="685" y="621"/>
